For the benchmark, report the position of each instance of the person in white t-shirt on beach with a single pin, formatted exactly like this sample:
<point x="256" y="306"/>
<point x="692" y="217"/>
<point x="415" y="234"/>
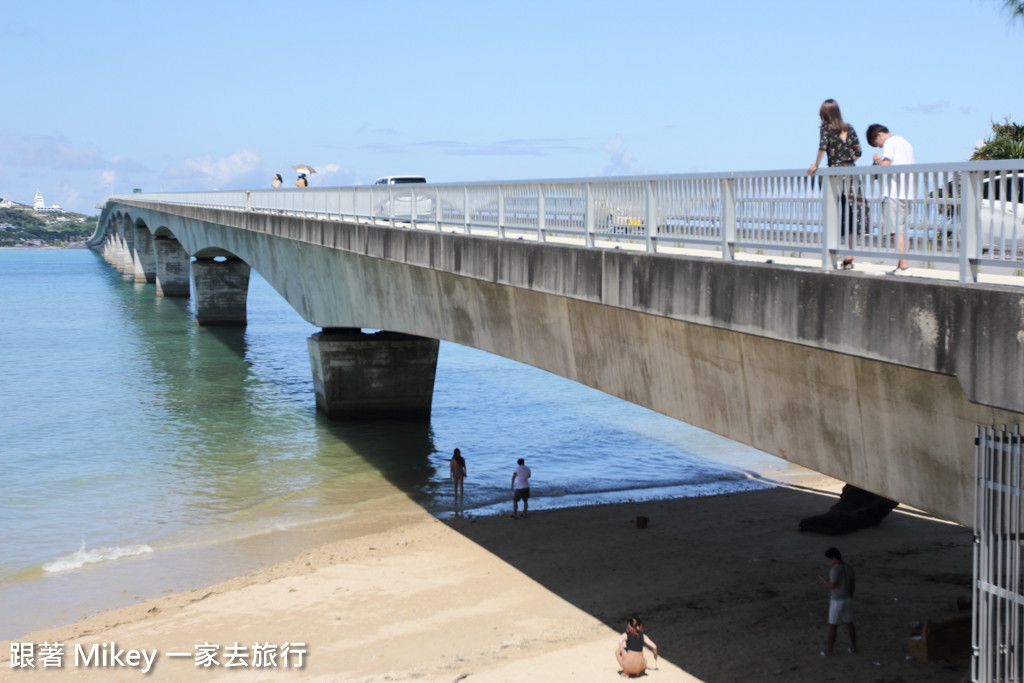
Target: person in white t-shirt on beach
<point x="900" y="188"/>
<point x="841" y="584"/>
<point x="520" y="488"/>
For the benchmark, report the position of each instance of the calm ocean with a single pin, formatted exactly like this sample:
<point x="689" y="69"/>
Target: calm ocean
<point x="142" y="454"/>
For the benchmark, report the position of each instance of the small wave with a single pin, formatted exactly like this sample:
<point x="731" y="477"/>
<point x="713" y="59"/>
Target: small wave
<point x="83" y="556"/>
<point x="486" y="508"/>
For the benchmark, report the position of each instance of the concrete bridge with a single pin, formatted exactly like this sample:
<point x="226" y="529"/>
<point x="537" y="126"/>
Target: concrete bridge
<point x="875" y="380"/>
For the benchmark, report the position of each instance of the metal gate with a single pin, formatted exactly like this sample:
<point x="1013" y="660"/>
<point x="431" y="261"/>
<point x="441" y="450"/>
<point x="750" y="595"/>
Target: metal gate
<point x="998" y="605"/>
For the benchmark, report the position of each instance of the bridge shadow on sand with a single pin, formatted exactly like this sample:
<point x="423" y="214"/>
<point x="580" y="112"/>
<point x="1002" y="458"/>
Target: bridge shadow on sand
<point x="729" y="587"/>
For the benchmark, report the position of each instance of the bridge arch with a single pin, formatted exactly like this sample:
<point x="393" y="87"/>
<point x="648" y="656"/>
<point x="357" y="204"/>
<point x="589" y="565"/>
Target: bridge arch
<point x="162" y="231"/>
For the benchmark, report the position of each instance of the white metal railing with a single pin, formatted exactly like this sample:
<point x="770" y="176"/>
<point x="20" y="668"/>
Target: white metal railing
<point x="967" y="215"/>
<point x="998" y="587"/>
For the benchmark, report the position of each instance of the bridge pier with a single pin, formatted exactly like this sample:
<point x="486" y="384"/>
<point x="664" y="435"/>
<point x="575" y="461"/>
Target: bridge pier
<point x="109" y="250"/>
<point x="116" y="248"/>
<point x="386" y="374"/>
<point x="145" y="261"/>
<point x="172" y="267"/>
<point x="126" y="232"/>
<point x="221" y="291"/>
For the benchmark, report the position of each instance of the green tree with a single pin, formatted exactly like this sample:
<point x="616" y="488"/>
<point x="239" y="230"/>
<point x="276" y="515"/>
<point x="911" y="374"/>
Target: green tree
<point x="1015" y="8"/>
<point x="1007" y="141"/>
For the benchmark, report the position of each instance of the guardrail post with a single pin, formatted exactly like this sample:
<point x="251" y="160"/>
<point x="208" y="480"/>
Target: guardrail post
<point x="541" y="214"/>
<point x="412" y="207"/>
<point x="391" y="207"/>
<point x="970" y="192"/>
<point x="465" y="209"/>
<point x="588" y="215"/>
<point x="248" y="201"/>
<point x="437" y="209"/>
<point x="728" y="219"/>
<point x="501" y="212"/>
<point x="829" y="220"/>
<point x="651" y="217"/>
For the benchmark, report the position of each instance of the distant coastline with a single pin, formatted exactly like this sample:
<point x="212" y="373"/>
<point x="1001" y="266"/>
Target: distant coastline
<point x="27" y="227"/>
<point x="72" y="245"/>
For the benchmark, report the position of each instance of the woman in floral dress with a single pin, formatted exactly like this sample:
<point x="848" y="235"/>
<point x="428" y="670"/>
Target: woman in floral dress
<point x="839" y="141"/>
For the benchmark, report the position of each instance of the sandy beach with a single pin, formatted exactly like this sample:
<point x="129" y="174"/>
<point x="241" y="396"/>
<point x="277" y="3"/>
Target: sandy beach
<point x="727" y="585"/>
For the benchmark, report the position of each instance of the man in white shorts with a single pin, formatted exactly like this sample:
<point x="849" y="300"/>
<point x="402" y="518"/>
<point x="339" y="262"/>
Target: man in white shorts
<point x="841" y="583"/>
<point x="899" y="189"/>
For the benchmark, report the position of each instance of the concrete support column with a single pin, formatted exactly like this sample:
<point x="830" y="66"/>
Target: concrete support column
<point x="145" y="261"/>
<point x="221" y="290"/>
<point x="116" y="256"/>
<point x="111" y="253"/>
<point x="361" y="376"/>
<point x="110" y="248"/>
<point x="127" y="233"/>
<point x="172" y="263"/>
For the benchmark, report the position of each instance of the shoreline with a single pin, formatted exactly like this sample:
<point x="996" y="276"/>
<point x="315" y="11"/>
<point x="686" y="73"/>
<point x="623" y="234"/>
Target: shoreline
<point x="126" y="578"/>
<point x="727" y="585"/>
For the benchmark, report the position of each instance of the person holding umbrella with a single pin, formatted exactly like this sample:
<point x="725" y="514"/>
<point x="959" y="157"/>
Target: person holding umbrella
<point x="303" y="169"/>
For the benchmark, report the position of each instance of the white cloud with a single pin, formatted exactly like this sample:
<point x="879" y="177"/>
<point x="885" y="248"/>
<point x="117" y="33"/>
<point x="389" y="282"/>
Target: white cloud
<point x="385" y="131"/>
<point x="244" y="168"/>
<point x="329" y="175"/>
<point x="937" y="107"/>
<point x="70" y="196"/>
<point x="538" y="147"/>
<point x="622" y="161"/>
<point x="105" y="182"/>
<point x="55" y="152"/>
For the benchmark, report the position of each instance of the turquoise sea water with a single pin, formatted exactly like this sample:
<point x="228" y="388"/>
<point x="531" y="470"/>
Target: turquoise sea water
<point x="142" y="454"/>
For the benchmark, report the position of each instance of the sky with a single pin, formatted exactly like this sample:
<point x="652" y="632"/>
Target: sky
<point x="106" y="96"/>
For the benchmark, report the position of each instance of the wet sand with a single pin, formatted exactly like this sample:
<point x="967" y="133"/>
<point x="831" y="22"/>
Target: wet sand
<point x="727" y="585"/>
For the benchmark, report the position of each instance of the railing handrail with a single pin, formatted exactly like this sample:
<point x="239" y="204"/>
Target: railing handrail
<point x="959" y="166"/>
<point x="944" y="213"/>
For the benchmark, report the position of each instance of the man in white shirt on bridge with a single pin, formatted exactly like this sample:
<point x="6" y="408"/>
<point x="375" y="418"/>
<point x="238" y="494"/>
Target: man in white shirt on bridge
<point x="900" y="188"/>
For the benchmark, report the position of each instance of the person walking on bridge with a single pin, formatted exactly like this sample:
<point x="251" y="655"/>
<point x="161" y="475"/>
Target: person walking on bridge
<point x="899" y="189"/>
<point x="520" y="488"/>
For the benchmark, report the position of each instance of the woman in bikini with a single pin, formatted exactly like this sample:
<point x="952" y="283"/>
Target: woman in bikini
<point x="630" y="652"/>
<point x="457" y="468"/>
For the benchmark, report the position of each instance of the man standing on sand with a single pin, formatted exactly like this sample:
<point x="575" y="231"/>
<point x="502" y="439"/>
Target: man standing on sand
<point x="841" y="583"/>
<point x="520" y="488"/>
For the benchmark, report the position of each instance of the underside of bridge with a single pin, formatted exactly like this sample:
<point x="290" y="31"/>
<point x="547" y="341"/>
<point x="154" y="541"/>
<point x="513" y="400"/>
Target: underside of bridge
<point x="878" y="382"/>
